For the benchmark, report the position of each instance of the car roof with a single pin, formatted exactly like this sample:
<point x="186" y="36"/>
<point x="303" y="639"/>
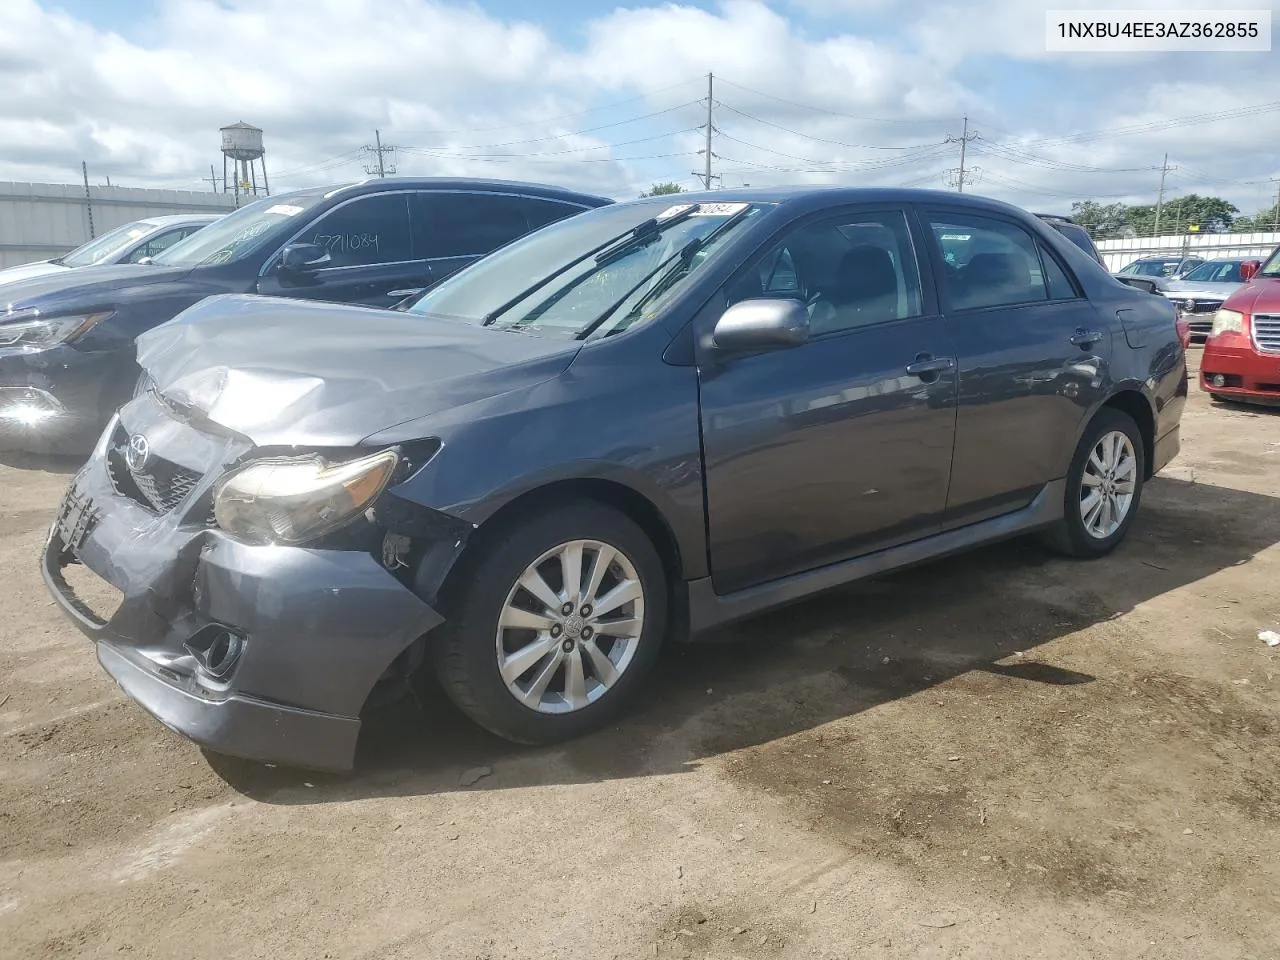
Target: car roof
<point x="817" y="197"/>
<point x="477" y="185"/>
<point x="171" y="220"/>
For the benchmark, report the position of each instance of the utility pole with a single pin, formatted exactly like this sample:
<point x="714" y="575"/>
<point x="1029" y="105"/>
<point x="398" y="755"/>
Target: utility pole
<point x="706" y="176"/>
<point x="1164" y="171"/>
<point x="88" y="200"/>
<point x="960" y="176"/>
<point x="378" y="151"/>
<point x="212" y="178"/>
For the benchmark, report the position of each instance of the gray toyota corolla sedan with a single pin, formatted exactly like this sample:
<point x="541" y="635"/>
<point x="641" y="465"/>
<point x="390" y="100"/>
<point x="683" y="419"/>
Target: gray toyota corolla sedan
<point x="638" y="423"/>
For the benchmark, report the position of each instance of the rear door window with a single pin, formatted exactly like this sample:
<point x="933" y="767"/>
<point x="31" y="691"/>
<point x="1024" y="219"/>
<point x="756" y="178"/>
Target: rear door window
<point x="466" y="224"/>
<point x="539" y="212"/>
<point x="989" y="262"/>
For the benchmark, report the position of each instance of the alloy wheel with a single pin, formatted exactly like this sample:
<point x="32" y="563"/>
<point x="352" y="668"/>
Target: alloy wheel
<point x="1108" y="484"/>
<point x="570" y="626"/>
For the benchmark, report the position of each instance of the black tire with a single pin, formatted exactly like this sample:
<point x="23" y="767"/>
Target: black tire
<point x="465" y="651"/>
<point x="1069" y="536"/>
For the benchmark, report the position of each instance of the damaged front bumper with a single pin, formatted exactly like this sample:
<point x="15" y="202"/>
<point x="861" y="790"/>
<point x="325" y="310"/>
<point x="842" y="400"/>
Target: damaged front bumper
<point x="261" y="652"/>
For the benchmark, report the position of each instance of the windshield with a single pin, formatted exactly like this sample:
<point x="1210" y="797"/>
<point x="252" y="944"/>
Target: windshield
<point x="104" y="248"/>
<point x="596" y="273"/>
<point x="1152" y="268"/>
<point x="1272" y="267"/>
<point x="1216" y="271"/>
<point x="239" y="234"/>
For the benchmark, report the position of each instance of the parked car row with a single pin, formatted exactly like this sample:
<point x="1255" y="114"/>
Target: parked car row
<point x="638" y="422"/>
<point x="1232" y="304"/>
<point x="67" y="354"/>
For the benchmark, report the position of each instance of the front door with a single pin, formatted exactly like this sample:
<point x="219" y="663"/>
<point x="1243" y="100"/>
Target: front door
<point x="832" y="449"/>
<point x="1033" y="355"/>
<point x="371" y="255"/>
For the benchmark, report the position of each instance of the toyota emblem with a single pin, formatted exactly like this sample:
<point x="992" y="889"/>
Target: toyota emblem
<point x="137" y="453"/>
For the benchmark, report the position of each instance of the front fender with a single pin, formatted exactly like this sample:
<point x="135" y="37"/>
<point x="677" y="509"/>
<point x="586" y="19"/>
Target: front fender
<point x="633" y="423"/>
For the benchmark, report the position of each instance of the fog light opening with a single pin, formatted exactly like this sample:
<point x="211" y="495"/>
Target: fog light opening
<point x="216" y="650"/>
<point x="1218" y="380"/>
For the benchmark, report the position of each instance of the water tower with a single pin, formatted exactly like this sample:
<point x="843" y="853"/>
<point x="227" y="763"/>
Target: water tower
<point x="242" y="145"/>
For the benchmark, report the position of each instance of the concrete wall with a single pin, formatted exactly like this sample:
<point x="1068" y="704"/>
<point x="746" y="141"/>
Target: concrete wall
<point x="43" y="220"/>
<point x="1118" y="253"/>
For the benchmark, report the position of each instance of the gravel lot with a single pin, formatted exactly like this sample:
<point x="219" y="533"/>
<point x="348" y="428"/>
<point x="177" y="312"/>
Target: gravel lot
<point x="1000" y="755"/>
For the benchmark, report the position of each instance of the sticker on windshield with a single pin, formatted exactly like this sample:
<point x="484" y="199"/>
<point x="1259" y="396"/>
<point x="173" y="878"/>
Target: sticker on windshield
<point x="670" y="212"/>
<point x="285" y="209"/>
<point x="956" y="236"/>
<point x="719" y="209"/>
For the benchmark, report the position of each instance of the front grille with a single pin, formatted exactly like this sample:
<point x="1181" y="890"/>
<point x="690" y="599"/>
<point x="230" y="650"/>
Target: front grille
<point x="1198" y="306"/>
<point x="160" y="485"/>
<point x="1266" y="332"/>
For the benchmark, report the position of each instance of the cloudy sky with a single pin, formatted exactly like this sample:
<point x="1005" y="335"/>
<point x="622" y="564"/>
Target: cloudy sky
<point x="611" y="98"/>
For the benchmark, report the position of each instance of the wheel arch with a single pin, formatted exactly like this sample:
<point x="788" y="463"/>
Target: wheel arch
<point x="1134" y="403"/>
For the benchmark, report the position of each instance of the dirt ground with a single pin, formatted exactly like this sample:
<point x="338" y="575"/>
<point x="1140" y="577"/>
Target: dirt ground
<point x="1000" y="755"/>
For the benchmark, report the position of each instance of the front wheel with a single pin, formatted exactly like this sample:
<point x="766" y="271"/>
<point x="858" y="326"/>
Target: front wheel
<point x="554" y="626"/>
<point x="1104" y="487"/>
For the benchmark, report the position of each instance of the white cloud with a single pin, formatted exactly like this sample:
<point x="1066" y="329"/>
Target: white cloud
<point x="465" y="90"/>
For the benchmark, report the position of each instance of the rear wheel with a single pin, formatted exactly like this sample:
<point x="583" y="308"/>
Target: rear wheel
<point x="555" y="626"/>
<point x="1104" y="488"/>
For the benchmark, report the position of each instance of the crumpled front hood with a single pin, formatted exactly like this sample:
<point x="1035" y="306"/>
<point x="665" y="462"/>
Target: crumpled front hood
<point x="294" y="373"/>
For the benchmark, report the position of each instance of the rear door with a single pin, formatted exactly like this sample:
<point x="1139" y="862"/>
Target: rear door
<point x="840" y="446"/>
<point x="1033" y="356"/>
<point x="371" y="254"/>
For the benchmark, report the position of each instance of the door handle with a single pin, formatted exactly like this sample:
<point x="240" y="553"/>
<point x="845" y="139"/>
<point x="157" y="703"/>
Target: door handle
<point x="924" y="364"/>
<point x="1086" y="338"/>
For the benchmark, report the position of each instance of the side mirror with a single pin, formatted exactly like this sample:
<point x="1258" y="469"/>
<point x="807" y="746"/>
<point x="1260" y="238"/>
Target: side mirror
<point x="1249" y="268"/>
<point x="762" y="325"/>
<point x="1139" y="283"/>
<point x="302" y="257"/>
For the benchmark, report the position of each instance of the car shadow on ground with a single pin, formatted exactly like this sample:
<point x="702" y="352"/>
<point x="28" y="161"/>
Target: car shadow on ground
<point x="41" y="462"/>
<point x="831" y="657"/>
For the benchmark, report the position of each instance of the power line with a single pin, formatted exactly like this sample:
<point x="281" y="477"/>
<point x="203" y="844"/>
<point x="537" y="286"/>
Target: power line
<point x="441" y="153"/>
<point x="809" y="136"/>
<point x="565" y="116"/>
<point x="835" y="113"/>
<point x="1153" y="125"/>
<point x="561" y="136"/>
<point x="1014" y="155"/>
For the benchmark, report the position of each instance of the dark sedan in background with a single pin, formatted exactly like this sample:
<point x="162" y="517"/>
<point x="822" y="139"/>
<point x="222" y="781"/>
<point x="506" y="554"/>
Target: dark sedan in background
<point x="641" y="422"/>
<point x="67" y="357"/>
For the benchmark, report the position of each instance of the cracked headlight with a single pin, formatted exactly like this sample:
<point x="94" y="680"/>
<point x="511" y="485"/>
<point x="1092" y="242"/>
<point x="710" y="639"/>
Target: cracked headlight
<point x="293" y="500"/>
<point x="38" y="333"/>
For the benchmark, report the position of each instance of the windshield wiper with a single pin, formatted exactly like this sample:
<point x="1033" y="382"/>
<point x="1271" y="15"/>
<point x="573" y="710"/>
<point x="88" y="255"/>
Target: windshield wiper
<point x="670" y="268"/>
<point x="642" y="233"/>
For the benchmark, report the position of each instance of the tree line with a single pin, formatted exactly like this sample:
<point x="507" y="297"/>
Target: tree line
<point x="1190" y="214"/>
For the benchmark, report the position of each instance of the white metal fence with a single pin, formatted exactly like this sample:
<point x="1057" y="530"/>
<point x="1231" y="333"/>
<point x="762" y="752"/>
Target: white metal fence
<point x="43" y="220"/>
<point x="1117" y="253"/>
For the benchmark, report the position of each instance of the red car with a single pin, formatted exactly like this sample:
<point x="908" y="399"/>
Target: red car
<point x="1242" y="355"/>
